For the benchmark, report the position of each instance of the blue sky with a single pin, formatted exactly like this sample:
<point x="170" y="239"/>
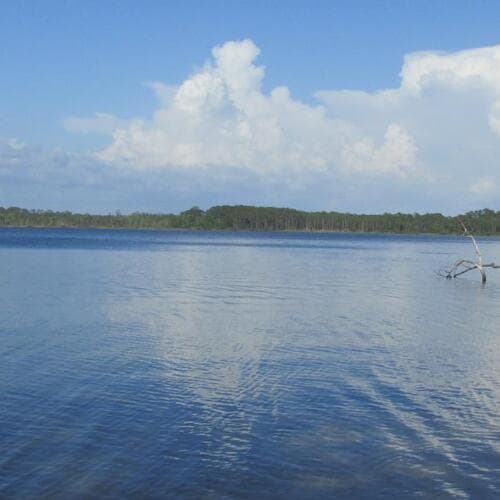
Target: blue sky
<point x="153" y="145"/>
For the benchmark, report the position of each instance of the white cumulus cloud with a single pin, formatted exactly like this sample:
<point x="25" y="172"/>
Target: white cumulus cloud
<point x="449" y="105"/>
<point x="220" y="117"/>
<point x="432" y="143"/>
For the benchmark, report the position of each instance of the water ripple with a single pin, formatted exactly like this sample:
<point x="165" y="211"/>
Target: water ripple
<point x="237" y="365"/>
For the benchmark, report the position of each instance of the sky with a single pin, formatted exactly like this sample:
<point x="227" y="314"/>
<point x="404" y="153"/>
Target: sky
<point x="359" y="106"/>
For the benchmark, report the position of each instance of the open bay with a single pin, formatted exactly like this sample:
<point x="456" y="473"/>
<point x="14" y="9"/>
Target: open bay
<point x="190" y="364"/>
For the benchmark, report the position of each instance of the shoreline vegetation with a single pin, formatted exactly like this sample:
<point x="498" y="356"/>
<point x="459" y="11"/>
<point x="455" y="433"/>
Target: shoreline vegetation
<point x="250" y="218"/>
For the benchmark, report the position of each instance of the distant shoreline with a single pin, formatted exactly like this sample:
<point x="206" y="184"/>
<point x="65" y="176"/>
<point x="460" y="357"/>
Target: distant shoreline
<point x="261" y="219"/>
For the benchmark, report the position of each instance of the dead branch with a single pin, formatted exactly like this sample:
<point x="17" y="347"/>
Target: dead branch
<point x="463" y="266"/>
<point x="474" y="242"/>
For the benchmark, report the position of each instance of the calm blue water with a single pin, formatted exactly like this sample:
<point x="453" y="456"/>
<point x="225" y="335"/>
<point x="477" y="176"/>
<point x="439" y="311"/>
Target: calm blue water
<point x="137" y="364"/>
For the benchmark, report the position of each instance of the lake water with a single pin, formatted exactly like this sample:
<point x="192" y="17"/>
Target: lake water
<point x="141" y="364"/>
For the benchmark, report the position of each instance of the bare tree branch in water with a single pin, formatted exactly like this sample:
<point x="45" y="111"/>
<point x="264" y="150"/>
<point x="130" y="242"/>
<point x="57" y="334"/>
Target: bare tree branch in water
<point x="463" y="266"/>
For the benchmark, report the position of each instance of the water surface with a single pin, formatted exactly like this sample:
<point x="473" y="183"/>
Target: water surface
<point x="141" y="364"/>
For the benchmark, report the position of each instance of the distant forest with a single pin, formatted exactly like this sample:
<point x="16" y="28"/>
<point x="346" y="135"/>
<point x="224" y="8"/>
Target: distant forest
<point x="250" y="218"/>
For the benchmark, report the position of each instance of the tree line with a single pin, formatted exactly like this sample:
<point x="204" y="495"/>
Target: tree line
<point x="242" y="217"/>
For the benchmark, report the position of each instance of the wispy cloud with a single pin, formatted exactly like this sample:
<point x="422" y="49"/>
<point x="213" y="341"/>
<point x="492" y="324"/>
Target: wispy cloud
<point x="99" y="123"/>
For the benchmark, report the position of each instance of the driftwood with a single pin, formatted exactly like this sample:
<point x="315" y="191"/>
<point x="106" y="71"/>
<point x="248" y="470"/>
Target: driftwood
<point x="463" y="266"/>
